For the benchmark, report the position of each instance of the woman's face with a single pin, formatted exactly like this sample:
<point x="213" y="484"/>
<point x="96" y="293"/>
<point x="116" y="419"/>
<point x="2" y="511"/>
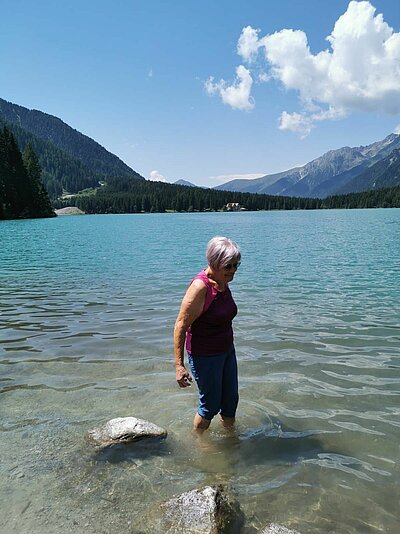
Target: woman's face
<point x="228" y="271"/>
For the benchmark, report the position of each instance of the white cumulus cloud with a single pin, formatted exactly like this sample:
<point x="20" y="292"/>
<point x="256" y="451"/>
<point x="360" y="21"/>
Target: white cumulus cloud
<point x="155" y="176"/>
<point x="299" y="123"/>
<point x="303" y="123"/>
<point x="358" y="71"/>
<point x="248" y="44"/>
<point x="236" y="95"/>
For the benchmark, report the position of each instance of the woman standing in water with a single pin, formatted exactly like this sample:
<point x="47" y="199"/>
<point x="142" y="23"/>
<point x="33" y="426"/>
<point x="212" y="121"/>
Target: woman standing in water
<point x="205" y="319"/>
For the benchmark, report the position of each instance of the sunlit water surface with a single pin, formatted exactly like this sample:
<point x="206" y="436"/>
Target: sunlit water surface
<point x="87" y="310"/>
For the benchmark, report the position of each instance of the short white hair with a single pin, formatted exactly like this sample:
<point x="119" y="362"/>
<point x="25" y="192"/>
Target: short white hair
<point x="221" y="251"/>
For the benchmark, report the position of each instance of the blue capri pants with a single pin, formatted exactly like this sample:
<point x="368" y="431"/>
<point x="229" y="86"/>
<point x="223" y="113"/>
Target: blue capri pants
<point x="217" y="379"/>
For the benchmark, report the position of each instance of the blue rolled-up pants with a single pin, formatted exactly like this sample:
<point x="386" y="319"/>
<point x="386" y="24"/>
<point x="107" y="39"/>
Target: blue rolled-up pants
<point x="217" y="379"/>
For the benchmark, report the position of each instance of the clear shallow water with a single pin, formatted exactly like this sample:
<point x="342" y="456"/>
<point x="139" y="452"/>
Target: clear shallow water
<point x="87" y="307"/>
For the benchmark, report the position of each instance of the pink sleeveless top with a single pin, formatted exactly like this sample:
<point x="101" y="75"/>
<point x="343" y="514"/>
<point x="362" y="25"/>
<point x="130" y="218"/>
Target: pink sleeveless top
<point x="212" y="333"/>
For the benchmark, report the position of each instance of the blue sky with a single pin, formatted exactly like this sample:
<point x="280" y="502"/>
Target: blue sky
<point x="155" y="82"/>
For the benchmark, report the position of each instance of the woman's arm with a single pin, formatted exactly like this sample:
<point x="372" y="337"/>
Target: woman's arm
<point x="191" y="308"/>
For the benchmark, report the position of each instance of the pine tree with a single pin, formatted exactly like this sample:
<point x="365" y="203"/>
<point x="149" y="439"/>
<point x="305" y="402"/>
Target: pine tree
<point x="16" y="192"/>
<point x="21" y="191"/>
<point x="40" y="206"/>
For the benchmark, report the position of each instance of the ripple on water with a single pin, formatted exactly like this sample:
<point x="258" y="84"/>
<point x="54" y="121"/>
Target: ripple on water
<point x="317" y="340"/>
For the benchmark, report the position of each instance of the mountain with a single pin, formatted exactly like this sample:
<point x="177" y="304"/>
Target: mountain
<point x="258" y="185"/>
<point x="70" y="159"/>
<point x="184" y="182"/>
<point x="59" y="170"/>
<point x="323" y="176"/>
<point x="385" y="173"/>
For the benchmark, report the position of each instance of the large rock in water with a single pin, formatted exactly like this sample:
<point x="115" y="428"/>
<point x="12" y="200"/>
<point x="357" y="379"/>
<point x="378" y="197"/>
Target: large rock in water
<point x="274" y="528"/>
<point x="123" y="430"/>
<point x="209" y="510"/>
<point x="69" y="210"/>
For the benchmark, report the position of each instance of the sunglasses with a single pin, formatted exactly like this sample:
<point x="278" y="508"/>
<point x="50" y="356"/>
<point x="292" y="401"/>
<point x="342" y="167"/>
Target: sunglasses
<point x="229" y="266"/>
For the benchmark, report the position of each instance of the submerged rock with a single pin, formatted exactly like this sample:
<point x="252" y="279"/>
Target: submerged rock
<point x="209" y="510"/>
<point x="125" y="429"/>
<point x="274" y="528"/>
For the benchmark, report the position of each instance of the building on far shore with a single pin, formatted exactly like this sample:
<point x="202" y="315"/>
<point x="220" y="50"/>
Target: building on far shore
<point x="233" y="206"/>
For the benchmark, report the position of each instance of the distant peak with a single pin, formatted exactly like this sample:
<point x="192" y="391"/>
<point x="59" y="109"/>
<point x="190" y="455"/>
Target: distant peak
<point x="185" y="182"/>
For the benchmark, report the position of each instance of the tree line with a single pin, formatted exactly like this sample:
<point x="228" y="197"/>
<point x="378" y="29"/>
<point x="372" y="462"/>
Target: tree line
<point x="123" y="195"/>
<point x="22" y="194"/>
<point x="388" y="197"/>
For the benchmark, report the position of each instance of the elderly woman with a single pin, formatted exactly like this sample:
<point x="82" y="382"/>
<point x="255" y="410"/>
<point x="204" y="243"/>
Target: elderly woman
<point x="205" y="319"/>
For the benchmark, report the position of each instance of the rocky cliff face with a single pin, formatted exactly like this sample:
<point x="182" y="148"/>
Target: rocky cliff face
<point x="384" y="173"/>
<point x="323" y="176"/>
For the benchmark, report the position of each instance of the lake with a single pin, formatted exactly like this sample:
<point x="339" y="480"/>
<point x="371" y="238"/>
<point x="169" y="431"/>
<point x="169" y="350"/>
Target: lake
<point x="87" y="309"/>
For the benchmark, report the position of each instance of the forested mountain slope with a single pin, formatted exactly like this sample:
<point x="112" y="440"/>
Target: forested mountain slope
<point x="60" y="171"/>
<point x="89" y="162"/>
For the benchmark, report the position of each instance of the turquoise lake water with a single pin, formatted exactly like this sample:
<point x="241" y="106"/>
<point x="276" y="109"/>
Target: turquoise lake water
<point x="87" y="308"/>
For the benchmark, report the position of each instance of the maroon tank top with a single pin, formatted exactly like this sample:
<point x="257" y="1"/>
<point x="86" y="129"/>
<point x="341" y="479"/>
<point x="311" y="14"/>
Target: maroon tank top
<point x="212" y="333"/>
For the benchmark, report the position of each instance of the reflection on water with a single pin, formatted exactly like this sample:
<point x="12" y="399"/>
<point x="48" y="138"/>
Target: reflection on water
<point x="87" y="307"/>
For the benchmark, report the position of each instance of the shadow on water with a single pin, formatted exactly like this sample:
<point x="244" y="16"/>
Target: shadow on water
<point x="269" y="442"/>
<point x="227" y="457"/>
<point x="134" y="450"/>
<point x="278" y="443"/>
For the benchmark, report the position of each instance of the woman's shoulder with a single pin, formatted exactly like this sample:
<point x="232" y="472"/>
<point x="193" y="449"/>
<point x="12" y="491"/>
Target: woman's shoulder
<point x="198" y="285"/>
<point x="201" y="279"/>
<point x="196" y="290"/>
<point x="202" y="282"/>
<point x="202" y="276"/>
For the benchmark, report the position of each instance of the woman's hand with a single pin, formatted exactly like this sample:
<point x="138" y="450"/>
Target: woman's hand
<point x="183" y="377"/>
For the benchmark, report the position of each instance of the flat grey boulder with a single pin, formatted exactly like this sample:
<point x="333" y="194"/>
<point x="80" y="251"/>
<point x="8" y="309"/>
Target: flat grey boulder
<point x="274" y="528"/>
<point x="69" y="210"/>
<point x="209" y="510"/>
<point x="123" y="430"/>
